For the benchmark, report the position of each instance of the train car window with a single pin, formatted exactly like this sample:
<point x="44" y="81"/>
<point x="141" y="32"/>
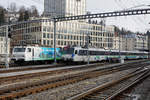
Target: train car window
<point x="85" y="52"/>
<point x="116" y="53"/>
<point x="97" y="52"/>
<point x="102" y="52"/>
<point x="123" y="53"/>
<point x="107" y="53"/>
<point x="29" y="50"/>
<point x="82" y="52"/>
<point x="68" y="50"/>
<point x="91" y="53"/>
<point x="113" y="53"/>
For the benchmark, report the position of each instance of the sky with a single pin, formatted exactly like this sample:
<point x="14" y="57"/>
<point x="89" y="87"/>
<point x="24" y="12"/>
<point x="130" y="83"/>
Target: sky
<point x="134" y="23"/>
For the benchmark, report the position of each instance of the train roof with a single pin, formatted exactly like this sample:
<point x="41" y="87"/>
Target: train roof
<point x="24" y="46"/>
<point x="109" y="50"/>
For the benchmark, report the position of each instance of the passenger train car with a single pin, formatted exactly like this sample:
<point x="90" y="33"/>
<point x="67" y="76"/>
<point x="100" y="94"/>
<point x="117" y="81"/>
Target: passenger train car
<point x="79" y="54"/>
<point x="34" y="53"/>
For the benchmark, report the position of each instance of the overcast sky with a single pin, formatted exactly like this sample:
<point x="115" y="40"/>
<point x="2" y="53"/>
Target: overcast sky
<point x="134" y="23"/>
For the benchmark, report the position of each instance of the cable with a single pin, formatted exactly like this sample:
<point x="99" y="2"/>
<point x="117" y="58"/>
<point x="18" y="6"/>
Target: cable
<point x="125" y="8"/>
<point x="38" y="1"/>
<point x="122" y="7"/>
<point x="140" y="19"/>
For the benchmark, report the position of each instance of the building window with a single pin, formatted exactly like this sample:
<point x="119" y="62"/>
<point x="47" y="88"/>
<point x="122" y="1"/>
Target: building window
<point x="51" y="35"/>
<point x="65" y="43"/>
<point x="51" y="42"/>
<point x="58" y="42"/>
<point x="61" y="42"/>
<point x="48" y="29"/>
<point x="44" y="42"/>
<point x="71" y="37"/>
<point x="44" y="29"/>
<point x="64" y="36"/>
<point x="58" y="36"/>
<point x="48" y="42"/>
<point x="44" y="35"/>
<point x="61" y="36"/>
<point x="48" y="35"/>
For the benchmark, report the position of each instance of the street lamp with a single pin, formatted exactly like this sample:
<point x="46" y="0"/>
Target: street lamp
<point x="87" y="46"/>
<point x="119" y="48"/>
<point x="7" y="33"/>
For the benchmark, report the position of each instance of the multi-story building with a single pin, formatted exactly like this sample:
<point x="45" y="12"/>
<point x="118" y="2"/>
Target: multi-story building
<point x="116" y="40"/>
<point x="141" y="42"/>
<point x="64" y="7"/>
<point x="12" y="16"/>
<point x="67" y="33"/>
<point x="128" y="42"/>
<point x="131" y="42"/>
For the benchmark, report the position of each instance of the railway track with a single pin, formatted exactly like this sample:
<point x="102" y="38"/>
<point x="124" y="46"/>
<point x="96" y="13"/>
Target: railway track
<point x="22" y="77"/>
<point x="56" y="71"/>
<point x="111" y="89"/>
<point x="36" y="67"/>
<point x="26" y="68"/>
<point x="19" y="90"/>
<point x="138" y="91"/>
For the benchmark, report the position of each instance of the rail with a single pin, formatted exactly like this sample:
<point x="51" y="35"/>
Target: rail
<point x="94" y="94"/>
<point x="20" y="90"/>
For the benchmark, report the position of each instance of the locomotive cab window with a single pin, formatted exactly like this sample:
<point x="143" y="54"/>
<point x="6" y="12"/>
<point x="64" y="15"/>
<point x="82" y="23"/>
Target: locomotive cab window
<point x="29" y="50"/>
<point x="19" y="49"/>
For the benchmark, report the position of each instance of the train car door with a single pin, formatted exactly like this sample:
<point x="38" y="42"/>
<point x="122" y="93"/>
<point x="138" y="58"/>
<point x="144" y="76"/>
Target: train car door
<point x="32" y="53"/>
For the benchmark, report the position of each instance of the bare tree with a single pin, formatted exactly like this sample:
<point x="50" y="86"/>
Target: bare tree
<point x="2" y="15"/>
<point x="22" y="9"/>
<point x="34" y="11"/>
<point x="21" y="13"/>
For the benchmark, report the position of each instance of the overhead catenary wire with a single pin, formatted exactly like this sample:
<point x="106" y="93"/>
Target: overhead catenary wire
<point x="136" y="19"/>
<point x="120" y="5"/>
<point x="140" y="19"/>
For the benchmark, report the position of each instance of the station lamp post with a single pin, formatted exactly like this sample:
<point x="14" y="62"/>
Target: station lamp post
<point x="6" y="61"/>
<point x="55" y="61"/>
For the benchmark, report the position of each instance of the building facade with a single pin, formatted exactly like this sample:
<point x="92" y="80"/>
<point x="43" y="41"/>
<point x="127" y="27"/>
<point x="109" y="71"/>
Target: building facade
<point x="67" y="33"/>
<point x="131" y="42"/>
<point x="64" y="7"/>
<point x="141" y="42"/>
<point x="128" y="42"/>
